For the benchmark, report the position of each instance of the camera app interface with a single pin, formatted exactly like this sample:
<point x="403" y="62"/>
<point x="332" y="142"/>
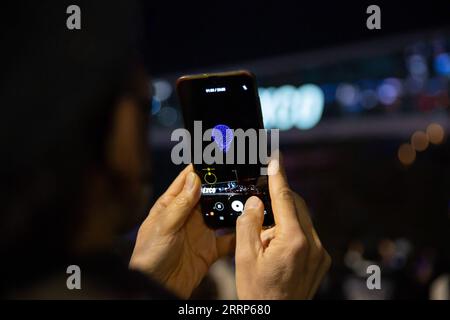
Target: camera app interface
<point x="222" y="105"/>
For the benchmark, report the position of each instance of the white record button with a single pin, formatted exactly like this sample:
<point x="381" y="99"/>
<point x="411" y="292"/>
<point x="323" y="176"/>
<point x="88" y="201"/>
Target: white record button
<point x="237" y="206"/>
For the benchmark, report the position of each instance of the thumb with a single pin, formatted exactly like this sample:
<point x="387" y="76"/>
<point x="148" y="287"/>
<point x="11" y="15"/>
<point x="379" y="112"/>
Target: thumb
<point x="183" y="204"/>
<point x="248" y="229"/>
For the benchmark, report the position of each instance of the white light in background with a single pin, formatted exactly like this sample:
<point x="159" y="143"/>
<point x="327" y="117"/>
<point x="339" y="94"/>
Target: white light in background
<point x="310" y="106"/>
<point x="288" y="106"/>
<point x="162" y="89"/>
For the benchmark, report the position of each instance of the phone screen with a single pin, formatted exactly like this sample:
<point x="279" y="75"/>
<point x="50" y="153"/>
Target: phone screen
<point x="222" y="102"/>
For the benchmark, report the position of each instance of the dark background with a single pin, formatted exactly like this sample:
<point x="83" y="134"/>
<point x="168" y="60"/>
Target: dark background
<point x="188" y="35"/>
<point x="367" y="206"/>
<point x="364" y="202"/>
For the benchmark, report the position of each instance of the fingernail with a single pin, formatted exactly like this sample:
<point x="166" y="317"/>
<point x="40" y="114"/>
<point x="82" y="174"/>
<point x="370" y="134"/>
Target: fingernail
<point x="252" y="203"/>
<point x="190" y="181"/>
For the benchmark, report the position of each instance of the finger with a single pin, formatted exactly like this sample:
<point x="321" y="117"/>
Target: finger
<point x="313" y="269"/>
<point x="282" y="199"/>
<point x="225" y="245"/>
<point x="323" y="269"/>
<point x="182" y="205"/>
<point x="267" y="236"/>
<point x="172" y="191"/>
<point x="177" y="185"/>
<point x="248" y="229"/>
<point x="304" y="219"/>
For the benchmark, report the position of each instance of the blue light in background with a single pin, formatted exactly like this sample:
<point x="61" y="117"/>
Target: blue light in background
<point x="389" y="91"/>
<point x="329" y="91"/>
<point x="367" y="84"/>
<point x="417" y="66"/>
<point x="348" y="96"/>
<point x="435" y="86"/>
<point x="442" y="64"/>
<point x="369" y="99"/>
<point x="387" y="94"/>
<point x="156" y="105"/>
<point x="168" y="116"/>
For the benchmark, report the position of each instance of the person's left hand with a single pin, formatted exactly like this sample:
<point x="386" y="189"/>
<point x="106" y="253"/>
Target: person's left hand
<point x="173" y="244"/>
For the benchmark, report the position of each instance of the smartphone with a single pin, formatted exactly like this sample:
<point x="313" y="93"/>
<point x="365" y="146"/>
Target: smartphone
<point x="225" y="102"/>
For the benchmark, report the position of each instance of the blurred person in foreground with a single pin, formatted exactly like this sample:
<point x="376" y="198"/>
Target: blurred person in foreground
<point x="75" y="175"/>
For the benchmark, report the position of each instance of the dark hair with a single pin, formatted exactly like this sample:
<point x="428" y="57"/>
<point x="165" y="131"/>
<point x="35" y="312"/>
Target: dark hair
<point x="58" y="90"/>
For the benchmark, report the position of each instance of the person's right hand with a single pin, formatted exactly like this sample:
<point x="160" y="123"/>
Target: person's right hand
<point x="286" y="261"/>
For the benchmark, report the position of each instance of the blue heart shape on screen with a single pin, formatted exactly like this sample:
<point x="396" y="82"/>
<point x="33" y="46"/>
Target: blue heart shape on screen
<point x="223" y="136"/>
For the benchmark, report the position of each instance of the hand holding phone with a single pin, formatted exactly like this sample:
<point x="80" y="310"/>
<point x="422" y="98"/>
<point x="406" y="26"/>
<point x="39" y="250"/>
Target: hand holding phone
<point x="173" y="245"/>
<point x="286" y="261"/>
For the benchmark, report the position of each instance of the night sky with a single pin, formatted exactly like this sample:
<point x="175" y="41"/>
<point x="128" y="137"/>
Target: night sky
<point x="187" y="35"/>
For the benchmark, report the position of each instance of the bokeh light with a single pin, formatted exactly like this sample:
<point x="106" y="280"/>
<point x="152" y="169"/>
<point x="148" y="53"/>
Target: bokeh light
<point x="156" y="105"/>
<point x="414" y="85"/>
<point x="163" y="89"/>
<point x="435" y="133"/>
<point x="442" y="64"/>
<point x="369" y="99"/>
<point x="168" y="116"/>
<point x="389" y="91"/>
<point x="288" y="106"/>
<point x="417" y="66"/>
<point x="419" y="141"/>
<point x="347" y="95"/>
<point x="406" y="154"/>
